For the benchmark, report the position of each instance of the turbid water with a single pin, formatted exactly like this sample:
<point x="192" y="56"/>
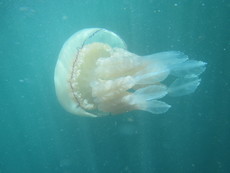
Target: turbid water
<point x="38" y="135"/>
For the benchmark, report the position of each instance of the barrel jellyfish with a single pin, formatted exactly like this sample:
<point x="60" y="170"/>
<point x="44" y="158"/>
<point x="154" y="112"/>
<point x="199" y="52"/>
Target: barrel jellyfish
<point x="96" y="76"/>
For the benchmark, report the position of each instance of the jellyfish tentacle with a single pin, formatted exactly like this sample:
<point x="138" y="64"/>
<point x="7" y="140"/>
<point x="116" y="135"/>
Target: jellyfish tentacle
<point x="151" y="92"/>
<point x="159" y="66"/>
<point x="183" y="86"/>
<point x="152" y="77"/>
<point x="167" y="58"/>
<point x="137" y="102"/>
<point x="188" y="68"/>
<point x="156" y="107"/>
<point x="145" y="99"/>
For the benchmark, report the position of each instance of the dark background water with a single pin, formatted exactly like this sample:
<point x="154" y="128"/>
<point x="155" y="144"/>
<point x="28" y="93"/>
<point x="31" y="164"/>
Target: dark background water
<point x="37" y="135"/>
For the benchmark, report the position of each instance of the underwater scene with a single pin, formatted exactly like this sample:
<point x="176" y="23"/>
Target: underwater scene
<point x="125" y="86"/>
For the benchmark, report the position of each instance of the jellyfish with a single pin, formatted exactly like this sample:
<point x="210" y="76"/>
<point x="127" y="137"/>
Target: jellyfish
<point x="96" y="76"/>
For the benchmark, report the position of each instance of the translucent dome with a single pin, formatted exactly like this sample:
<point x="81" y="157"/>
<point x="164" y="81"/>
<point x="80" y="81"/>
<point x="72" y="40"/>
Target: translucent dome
<point x="96" y="76"/>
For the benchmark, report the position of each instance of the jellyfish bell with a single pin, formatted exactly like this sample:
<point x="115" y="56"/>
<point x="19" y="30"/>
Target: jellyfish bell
<point x="96" y="76"/>
<point x="74" y="68"/>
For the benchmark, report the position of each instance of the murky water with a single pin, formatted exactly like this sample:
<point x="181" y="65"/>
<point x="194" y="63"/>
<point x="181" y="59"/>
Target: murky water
<point x="38" y="135"/>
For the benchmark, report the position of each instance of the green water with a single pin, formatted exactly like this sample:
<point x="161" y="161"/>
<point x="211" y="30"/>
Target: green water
<point x="37" y="135"/>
